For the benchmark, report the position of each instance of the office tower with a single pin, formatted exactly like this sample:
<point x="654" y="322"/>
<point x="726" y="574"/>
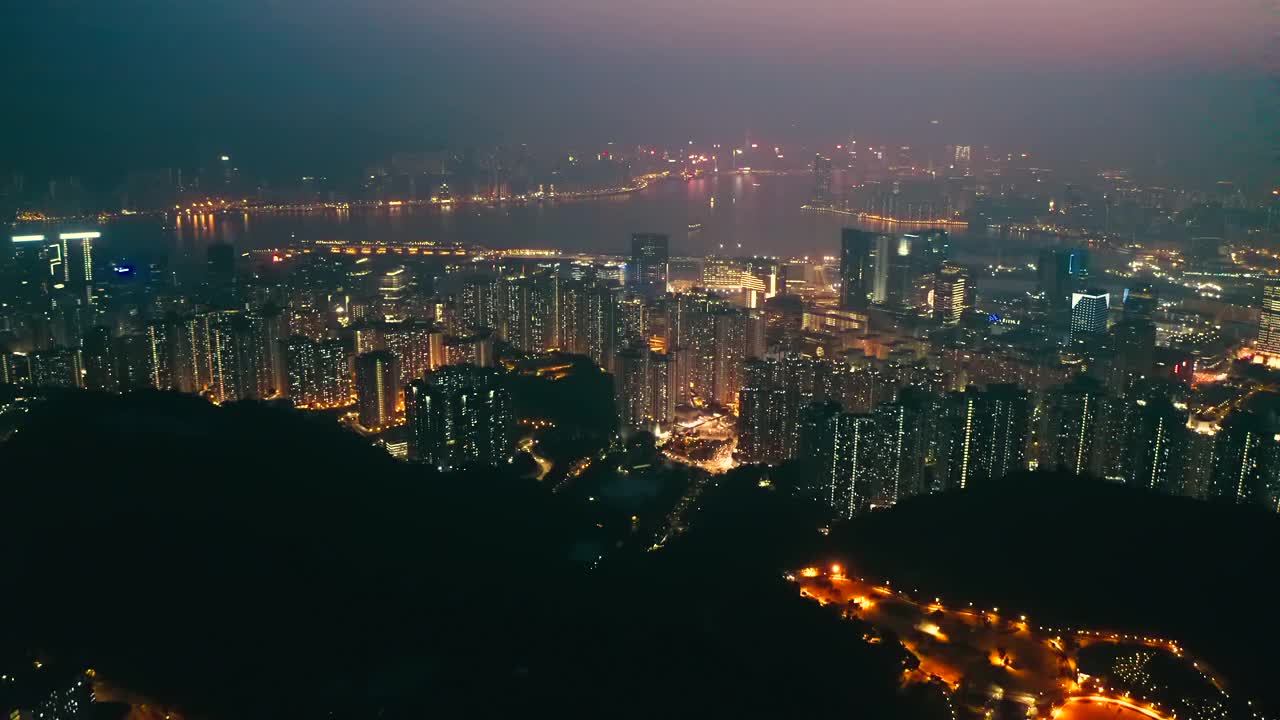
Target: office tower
<point x="1141" y="302"/>
<point x="722" y="273"/>
<point x="647" y="273"/>
<point x="766" y="273"/>
<point x="377" y="388"/>
<point x="855" y="268"/>
<point x="952" y="293"/>
<point x="896" y="268"/>
<point x="988" y="435"/>
<point x="935" y="248"/>
<point x="394" y="284"/>
<point x="101" y="367"/>
<point x="76" y="258"/>
<point x="220" y="273"/>
<point x="57" y="368"/>
<point x="459" y="415"/>
<point x="1061" y="272"/>
<point x="1089" y="311"/>
<point x="822" y="196"/>
<point x="1269" y="319"/>
<point x="1075" y="414"/>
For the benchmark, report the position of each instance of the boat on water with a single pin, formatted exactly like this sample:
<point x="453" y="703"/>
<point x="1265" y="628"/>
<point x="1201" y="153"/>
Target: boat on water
<point x="695" y="226"/>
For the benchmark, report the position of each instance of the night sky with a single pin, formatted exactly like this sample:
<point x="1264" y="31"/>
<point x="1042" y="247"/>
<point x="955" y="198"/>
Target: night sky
<point x="323" y="84"/>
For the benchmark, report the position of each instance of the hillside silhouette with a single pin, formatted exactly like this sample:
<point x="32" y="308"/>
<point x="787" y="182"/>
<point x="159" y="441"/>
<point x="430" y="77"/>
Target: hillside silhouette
<point x="251" y="561"/>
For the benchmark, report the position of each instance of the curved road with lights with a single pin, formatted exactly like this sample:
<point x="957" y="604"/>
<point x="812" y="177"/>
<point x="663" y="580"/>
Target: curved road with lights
<point x="981" y="654"/>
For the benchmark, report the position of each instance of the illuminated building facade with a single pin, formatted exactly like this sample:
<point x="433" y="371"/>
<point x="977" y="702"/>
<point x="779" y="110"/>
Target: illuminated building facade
<point x="647" y="271"/>
<point x="1075" y="414"/>
<point x="317" y="372"/>
<point x="952" y="294"/>
<point x="1089" y="312"/>
<point x="989" y="434"/>
<point x="855" y="268"/>
<point x="377" y="388"/>
<point x="1061" y="272"/>
<point x="1269" y="319"/>
<point x="459" y="415"/>
<point x="57" y="368"/>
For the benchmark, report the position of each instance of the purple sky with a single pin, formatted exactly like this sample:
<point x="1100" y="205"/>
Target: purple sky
<point x="1162" y="82"/>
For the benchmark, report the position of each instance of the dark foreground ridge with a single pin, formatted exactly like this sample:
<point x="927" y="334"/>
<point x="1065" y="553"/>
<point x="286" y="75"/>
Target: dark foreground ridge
<point x="244" y="561"/>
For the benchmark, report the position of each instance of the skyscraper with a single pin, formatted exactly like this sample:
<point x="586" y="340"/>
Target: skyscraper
<point x="1061" y="272"/>
<point x="57" y="368"/>
<point x="1089" y="311"/>
<point x="318" y="373"/>
<point x="951" y="294"/>
<point x="100" y="363"/>
<point x="855" y="271"/>
<point x="896" y="267"/>
<point x="459" y="415"/>
<point x="989" y="434"/>
<point x="1141" y="302"/>
<point x="377" y="388"/>
<point x="1134" y="343"/>
<point x="849" y="474"/>
<point x="1269" y="319"/>
<point x="822" y="196"/>
<point x="1155" y="440"/>
<point x="1074" y="417"/>
<point x="1245" y="459"/>
<point x="647" y="272"/>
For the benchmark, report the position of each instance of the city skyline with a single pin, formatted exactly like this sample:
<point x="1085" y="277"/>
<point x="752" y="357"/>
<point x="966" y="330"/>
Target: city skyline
<point x="579" y="358"/>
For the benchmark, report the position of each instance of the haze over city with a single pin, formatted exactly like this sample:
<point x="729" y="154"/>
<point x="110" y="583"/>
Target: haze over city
<point x="1176" y="87"/>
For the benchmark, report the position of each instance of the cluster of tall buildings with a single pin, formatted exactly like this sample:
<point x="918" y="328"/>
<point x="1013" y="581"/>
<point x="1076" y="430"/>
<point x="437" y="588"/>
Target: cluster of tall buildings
<point x="905" y="273"/>
<point x="878" y="370"/>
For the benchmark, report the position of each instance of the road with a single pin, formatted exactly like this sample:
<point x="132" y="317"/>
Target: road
<point x="544" y="465"/>
<point x="1104" y="709"/>
<point x="982" y="654"/>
